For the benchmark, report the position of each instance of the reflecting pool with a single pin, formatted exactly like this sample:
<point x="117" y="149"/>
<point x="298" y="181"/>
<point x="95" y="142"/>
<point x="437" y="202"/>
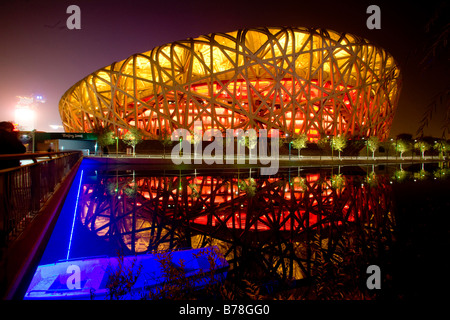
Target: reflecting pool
<point x="302" y="233"/>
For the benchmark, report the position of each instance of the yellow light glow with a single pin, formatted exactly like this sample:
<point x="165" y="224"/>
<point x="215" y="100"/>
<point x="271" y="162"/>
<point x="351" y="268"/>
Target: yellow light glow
<point x="252" y="78"/>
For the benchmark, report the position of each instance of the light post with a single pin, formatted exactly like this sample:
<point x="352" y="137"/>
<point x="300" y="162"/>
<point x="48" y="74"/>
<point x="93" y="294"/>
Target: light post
<point x="117" y="142"/>
<point x="432" y="152"/>
<point x="331" y="144"/>
<point x="389" y="149"/>
<point x="396" y="148"/>
<point x="287" y="137"/>
<point x="117" y="147"/>
<point x="290" y="142"/>
<point x="367" y="147"/>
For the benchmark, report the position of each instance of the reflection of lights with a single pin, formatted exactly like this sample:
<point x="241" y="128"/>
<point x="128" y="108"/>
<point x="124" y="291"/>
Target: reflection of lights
<point x="74" y="216"/>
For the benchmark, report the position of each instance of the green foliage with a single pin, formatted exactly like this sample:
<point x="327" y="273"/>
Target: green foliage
<point x="401" y="146"/>
<point x="422" y="146"/>
<point x="400" y="175"/>
<point x="195" y="190"/>
<point x="373" y="144"/>
<point x="105" y="136"/>
<point x="421" y="175"/>
<point x="323" y="143"/>
<point x="165" y="138"/>
<point x="337" y="273"/>
<point x="300" y="182"/>
<point x="248" y="186"/>
<point x="372" y="179"/>
<point x="337" y="181"/>
<point x="338" y="143"/>
<point x="194" y="137"/>
<point x="121" y="279"/>
<point x="176" y="285"/>
<point x="441" y="173"/>
<point x="442" y="146"/>
<point x="300" y="142"/>
<point x="132" y="137"/>
<point x="179" y="285"/>
<point x="248" y="141"/>
<point x="131" y="190"/>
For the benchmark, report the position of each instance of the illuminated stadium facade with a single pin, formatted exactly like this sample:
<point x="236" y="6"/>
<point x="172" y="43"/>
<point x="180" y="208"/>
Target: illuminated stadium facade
<point x="296" y="80"/>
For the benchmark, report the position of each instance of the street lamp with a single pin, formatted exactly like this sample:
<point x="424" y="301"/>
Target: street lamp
<point x="389" y="148"/>
<point x="287" y="135"/>
<point x="117" y="146"/>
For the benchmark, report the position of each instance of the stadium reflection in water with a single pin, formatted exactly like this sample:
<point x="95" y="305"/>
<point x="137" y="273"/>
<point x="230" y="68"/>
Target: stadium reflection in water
<point x="268" y="228"/>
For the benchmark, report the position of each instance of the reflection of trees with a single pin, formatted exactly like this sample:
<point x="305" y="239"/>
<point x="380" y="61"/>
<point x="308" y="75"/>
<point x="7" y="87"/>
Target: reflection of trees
<point x="274" y="232"/>
<point x="135" y="214"/>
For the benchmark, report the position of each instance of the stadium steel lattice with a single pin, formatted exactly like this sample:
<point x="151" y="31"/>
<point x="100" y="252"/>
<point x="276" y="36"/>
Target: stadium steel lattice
<point x="297" y="80"/>
<point x="274" y="218"/>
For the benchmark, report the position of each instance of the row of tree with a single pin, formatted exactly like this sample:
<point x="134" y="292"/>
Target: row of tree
<point x="401" y="144"/>
<point x="106" y="137"/>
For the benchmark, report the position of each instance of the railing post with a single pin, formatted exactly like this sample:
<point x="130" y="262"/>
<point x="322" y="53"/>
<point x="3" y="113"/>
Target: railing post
<point x="35" y="187"/>
<point x="52" y="173"/>
<point x="3" y="211"/>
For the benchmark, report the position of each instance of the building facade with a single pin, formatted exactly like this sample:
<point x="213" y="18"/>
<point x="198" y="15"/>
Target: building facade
<point x="296" y="80"/>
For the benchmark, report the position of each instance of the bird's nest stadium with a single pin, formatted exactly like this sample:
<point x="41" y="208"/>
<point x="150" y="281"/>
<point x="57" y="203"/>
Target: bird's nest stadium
<point x="297" y="80"/>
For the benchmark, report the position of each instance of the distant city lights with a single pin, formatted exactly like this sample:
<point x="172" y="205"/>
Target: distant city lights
<point x="25" y="117"/>
<point x="56" y="126"/>
<point x="25" y="113"/>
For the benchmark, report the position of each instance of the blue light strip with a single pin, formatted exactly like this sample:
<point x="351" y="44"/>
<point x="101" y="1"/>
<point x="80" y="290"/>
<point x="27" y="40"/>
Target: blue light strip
<point x="74" y="217"/>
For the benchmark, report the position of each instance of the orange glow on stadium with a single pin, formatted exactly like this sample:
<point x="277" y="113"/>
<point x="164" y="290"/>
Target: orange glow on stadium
<point x="296" y="80"/>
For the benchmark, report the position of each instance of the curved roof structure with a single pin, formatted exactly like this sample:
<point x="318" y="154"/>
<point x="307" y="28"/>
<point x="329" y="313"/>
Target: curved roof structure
<point x="297" y="80"/>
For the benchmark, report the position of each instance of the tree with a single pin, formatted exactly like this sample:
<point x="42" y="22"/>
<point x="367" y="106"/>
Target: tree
<point x="337" y="181"/>
<point x="105" y="136"/>
<point x="339" y="143"/>
<point x="300" y="142"/>
<point x="434" y="49"/>
<point x="132" y="138"/>
<point x="422" y="146"/>
<point x="401" y="146"/>
<point x="248" y="141"/>
<point x="166" y="139"/>
<point x="373" y="144"/>
<point x="442" y="146"/>
<point x="323" y="143"/>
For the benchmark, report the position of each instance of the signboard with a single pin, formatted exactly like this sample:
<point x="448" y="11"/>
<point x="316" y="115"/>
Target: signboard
<point x="40" y="136"/>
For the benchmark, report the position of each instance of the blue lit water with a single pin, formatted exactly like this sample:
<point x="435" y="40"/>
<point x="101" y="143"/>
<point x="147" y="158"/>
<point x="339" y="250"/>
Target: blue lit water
<point x="267" y="228"/>
<point x="69" y="239"/>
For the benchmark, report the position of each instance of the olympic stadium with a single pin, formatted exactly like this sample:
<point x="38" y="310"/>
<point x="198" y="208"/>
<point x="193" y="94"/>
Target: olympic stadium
<point x="297" y="80"/>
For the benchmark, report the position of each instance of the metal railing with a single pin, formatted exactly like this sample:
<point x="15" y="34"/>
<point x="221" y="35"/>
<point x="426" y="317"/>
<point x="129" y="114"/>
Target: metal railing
<point x="25" y="189"/>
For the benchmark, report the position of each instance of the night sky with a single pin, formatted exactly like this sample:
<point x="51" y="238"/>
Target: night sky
<point x="39" y="55"/>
